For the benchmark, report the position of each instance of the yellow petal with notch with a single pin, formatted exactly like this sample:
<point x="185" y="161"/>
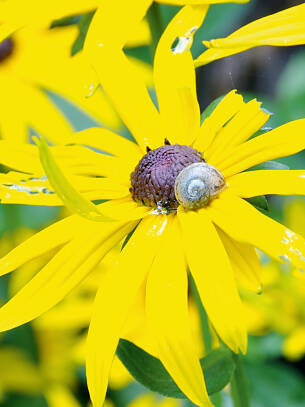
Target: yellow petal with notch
<point x="174" y="76"/>
<point x="223" y="112"/>
<point x="118" y="77"/>
<point x="239" y="129"/>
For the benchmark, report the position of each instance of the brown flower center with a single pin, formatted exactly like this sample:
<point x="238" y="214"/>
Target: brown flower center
<point x="153" y="180"/>
<point x="6" y="49"/>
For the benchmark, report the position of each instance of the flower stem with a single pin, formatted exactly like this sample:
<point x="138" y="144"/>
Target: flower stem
<point x="239" y="390"/>
<point x="154" y="18"/>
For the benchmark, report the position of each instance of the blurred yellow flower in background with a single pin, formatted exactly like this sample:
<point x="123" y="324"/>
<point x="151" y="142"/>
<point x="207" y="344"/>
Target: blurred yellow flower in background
<point x="39" y="60"/>
<point x="281" y="306"/>
<point x="16" y="14"/>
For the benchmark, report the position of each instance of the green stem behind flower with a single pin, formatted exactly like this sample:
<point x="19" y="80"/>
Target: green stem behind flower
<point x="239" y="390"/>
<point x="154" y="18"/>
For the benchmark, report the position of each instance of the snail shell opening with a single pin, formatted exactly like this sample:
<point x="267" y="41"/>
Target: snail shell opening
<point x="196" y="184"/>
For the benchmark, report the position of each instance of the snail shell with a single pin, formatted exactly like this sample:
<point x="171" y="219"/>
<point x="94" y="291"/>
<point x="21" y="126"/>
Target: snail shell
<point x="196" y="184"/>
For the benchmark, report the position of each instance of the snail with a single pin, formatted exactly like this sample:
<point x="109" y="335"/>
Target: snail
<point x="197" y="183"/>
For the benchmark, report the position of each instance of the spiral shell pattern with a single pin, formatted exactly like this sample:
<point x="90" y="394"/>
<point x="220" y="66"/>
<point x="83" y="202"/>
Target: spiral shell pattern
<point x="196" y="184"/>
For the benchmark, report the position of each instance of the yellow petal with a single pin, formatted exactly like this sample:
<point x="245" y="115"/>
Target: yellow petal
<point x="214" y="278"/>
<point x="174" y="76"/>
<point x="245" y="262"/>
<point x="107" y="30"/>
<point x="283" y="141"/>
<point x="119" y="376"/>
<point x="17" y="373"/>
<point x="168" y="318"/>
<point x="49" y="238"/>
<point x="32" y="12"/>
<point x="107" y="141"/>
<point x="118" y="77"/>
<point x="244" y="223"/>
<point x="280" y="29"/>
<point x="294" y="344"/>
<point x="294" y="215"/>
<point x="124" y="209"/>
<point x="114" y="300"/>
<point x="243" y="125"/>
<point x="19" y="188"/>
<point x="38" y="49"/>
<point x="76" y="160"/>
<point x="70" y="314"/>
<point x="80" y="160"/>
<point x="22" y="157"/>
<point x="43" y="115"/>
<point x="31" y="105"/>
<point x="65" y="271"/>
<point x="60" y="395"/>
<point x="222" y="113"/>
<point x="264" y="182"/>
<point x="12" y="124"/>
<point x="140" y="36"/>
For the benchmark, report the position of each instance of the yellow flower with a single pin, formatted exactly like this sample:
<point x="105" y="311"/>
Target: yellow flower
<point x="215" y="241"/>
<point x="54" y="376"/>
<point x="16" y="14"/>
<point x="281" y="307"/>
<point x="33" y="13"/>
<point x="284" y="28"/>
<point x="17" y="373"/>
<point x="35" y="59"/>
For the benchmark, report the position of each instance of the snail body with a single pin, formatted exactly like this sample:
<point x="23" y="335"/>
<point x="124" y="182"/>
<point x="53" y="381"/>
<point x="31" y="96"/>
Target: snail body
<point x="197" y="184"/>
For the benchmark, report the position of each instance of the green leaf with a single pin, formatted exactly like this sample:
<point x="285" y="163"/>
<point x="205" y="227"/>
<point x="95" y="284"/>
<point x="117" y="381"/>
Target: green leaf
<point x="275" y="384"/>
<point x="291" y="82"/>
<point x="78" y="44"/>
<point x="270" y="165"/>
<point x="63" y="22"/>
<point x="64" y="189"/>
<point x="264" y="129"/>
<point x="83" y="26"/>
<point x="217" y="367"/>
<point x="259" y="202"/>
<point x="265" y="348"/>
<point x="209" y="109"/>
